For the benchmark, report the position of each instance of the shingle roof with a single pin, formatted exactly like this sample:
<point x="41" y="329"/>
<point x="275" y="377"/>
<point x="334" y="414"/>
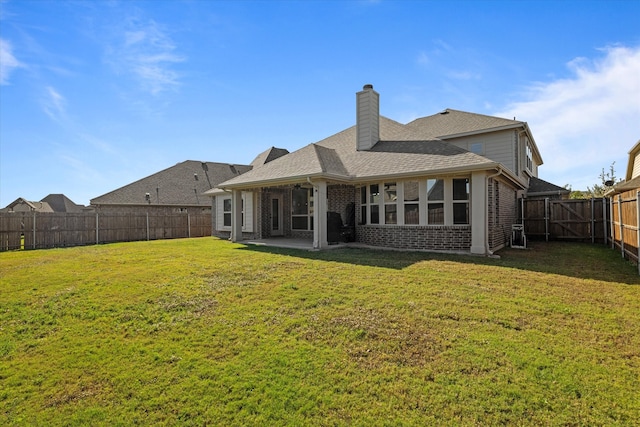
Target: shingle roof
<point x="401" y="152"/>
<point x="268" y="155"/>
<point x="539" y="186"/>
<point x="61" y="203"/>
<point x="181" y="185"/>
<point x="453" y="122"/>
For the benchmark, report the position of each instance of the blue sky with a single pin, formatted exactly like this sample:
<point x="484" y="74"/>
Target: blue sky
<point x="97" y="94"/>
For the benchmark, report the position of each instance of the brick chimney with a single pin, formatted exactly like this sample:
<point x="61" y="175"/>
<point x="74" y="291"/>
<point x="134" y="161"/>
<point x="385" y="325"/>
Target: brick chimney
<point x="367" y="118"/>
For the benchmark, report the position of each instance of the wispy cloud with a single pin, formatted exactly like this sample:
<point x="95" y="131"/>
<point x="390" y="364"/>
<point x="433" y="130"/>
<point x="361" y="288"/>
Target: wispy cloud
<point x="586" y="121"/>
<point x="146" y="52"/>
<point x="54" y="105"/>
<point x="8" y="61"/>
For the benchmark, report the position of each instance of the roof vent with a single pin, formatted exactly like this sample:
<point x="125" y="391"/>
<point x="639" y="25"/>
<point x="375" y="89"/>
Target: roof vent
<point x="443" y="112"/>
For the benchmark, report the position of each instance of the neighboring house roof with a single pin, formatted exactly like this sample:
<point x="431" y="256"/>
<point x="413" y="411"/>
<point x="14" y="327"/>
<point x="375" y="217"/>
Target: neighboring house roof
<point x="540" y="187"/>
<point x="61" y="203"/>
<point x="179" y="185"/>
<point x="401" y="152"/>
<point x="24" y="205"/>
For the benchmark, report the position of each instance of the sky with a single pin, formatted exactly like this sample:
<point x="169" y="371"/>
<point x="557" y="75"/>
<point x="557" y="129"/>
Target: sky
<point x="97" y="94"/>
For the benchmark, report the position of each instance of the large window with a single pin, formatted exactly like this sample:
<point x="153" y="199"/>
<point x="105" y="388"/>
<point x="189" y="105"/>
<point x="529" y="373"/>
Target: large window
<point x="412" y="202"/>
<point x="226" y="209"/>
<point x="461" y="201"/>
<point x="390" y="203"/>
<point x="435" y="201"/>
<point x="302" y="209"/>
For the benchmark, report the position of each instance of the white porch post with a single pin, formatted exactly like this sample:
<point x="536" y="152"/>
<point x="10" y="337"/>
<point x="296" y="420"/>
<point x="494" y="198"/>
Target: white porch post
<point x="320" y="215"/>
<point x="236" y="215"/>
<point x="478" y="212"/>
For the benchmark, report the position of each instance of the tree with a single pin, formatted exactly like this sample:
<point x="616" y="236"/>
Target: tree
<point x="608" y="180"/>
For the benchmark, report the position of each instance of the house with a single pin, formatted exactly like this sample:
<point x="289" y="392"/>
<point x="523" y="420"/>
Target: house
<point x="448" y="182"/>
<point x="632" y="176"/>
<point x="541" y="189"/>
<point x="178" y="188"/>
<point x="51" y="203"/>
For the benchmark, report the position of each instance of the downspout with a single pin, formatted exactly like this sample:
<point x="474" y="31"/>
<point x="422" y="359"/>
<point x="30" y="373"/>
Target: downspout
<point x="486" y="206"/>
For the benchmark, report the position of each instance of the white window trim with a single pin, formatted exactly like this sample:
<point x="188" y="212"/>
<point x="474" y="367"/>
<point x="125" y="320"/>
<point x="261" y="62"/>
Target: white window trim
<point x="422" y="202"/>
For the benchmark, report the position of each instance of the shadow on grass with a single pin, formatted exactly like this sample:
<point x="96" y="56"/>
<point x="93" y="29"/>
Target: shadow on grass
<point x="578" y="260"/>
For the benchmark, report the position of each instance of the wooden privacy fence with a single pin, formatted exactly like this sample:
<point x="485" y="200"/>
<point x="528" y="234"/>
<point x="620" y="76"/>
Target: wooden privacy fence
<point x="581" y="220"/>
<point x="33" y="230"/>
<point x="624" y="224"/>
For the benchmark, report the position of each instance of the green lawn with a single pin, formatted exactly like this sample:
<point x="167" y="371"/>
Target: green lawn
<point x="203" y="331"/>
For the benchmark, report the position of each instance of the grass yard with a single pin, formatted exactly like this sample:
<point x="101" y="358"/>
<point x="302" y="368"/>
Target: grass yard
<point x="203" y="331"/>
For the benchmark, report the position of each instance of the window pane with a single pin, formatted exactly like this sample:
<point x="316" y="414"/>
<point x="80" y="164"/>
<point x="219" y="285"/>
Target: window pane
<point x="299" y="222"/>
<point x="375" y="214"/>
<point x="363" y="195"/>
<point x="300" y="201"/>
<point x="435" y="213"/>
<point x="363" y="214"/>
<point x="435" y="189"/>
<point x="226" y="205"/>
<point x="390" y="192"/>
<point x="374" y="193"/>
<point x="411" y="213"/>
<point x="411" y="191"/>
<point x="461" y="189"/>
<point x="227" y="220"/>
<point x="461" y="213"/>
<point x="390" y="214"/>
<point x="476" y="147"/>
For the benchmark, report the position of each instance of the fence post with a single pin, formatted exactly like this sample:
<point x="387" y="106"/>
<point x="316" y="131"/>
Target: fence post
<point x="621" y="225"/>
<point x="612" y="221"/>
<point x="148" y="238"/>
<point x="638" y="228"/>
<point x="592" y="230"/>
<point x="189" y="224"/>
<point x="97" y="229"/>
<point x="34" y="229"/>
<point x="604" y="219"/>
<point x="546" y="219"/>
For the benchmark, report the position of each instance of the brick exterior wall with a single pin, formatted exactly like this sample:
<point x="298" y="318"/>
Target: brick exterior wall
<point x="339" y="197"/>
<point x="443" y="238"/>
<point x="503" y="213"/>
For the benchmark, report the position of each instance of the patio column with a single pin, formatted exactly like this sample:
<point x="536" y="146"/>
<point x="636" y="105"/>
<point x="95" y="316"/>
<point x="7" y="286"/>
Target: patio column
<point x="478" y="212"/>
<point x="320" y="215"/>
<point x="236" y="215"/>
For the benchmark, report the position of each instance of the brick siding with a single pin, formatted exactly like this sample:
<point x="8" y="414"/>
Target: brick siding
<point x="444" y="238"/>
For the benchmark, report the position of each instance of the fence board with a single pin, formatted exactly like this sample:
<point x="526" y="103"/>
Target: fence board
<point x="35" y="230"/>
<point x="582" y="220"/>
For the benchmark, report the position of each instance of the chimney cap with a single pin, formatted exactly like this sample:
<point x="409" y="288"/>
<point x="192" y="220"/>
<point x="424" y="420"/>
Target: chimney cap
<point x="367" y="86"/>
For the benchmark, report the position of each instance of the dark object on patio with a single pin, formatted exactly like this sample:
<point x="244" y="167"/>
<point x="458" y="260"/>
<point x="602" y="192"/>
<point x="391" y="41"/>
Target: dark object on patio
<point x="334" y="227"/>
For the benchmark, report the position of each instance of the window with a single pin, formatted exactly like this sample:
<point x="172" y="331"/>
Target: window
<point x="226" y="209"/>
<point x="302" y="209"/>
<point x="390" y="203"/>
<point x="411" y="202"/>
<point x="435" y="201"/>
<point x="363" y="205"/>
<point x="477" y="148"/>
<point x="529" y="155"/>
<point x="374" y="200"/>
<point x="461" y="201"/>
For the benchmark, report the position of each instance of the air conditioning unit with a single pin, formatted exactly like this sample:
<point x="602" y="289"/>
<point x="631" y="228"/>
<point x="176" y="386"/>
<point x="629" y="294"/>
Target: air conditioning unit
<point x="518" y="239"/>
